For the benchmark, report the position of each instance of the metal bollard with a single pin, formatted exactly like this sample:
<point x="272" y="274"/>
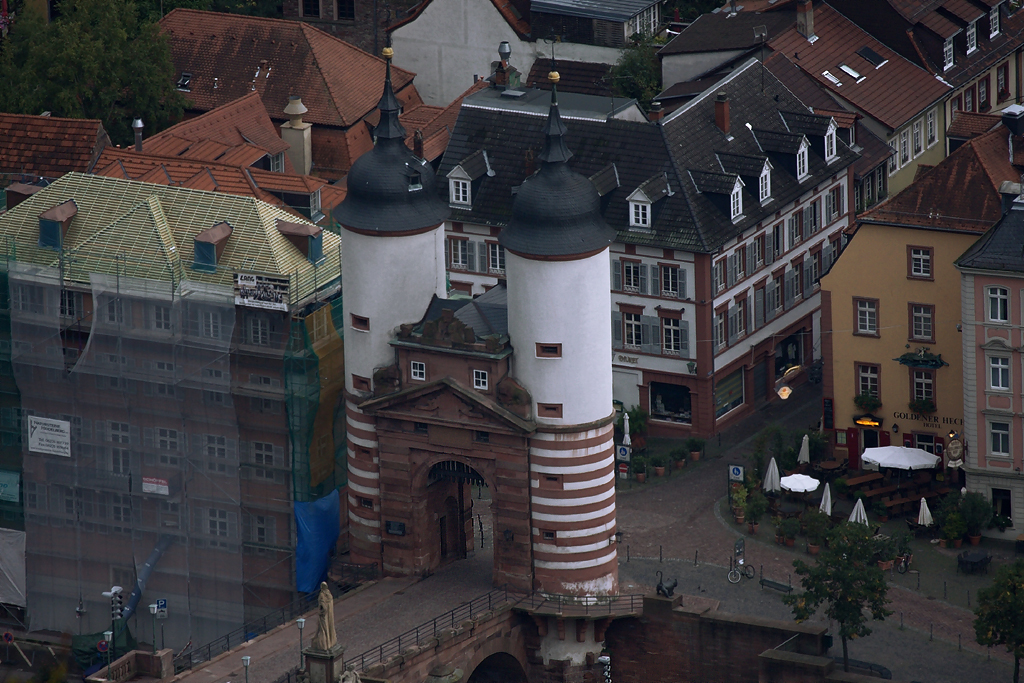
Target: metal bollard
<point x="695" y="557"/>
<point x="959" y="647"/>
<point x="659" y="554"/>
<point x="901" y="621"/>
<point x="968" y="597"/>
<point x="627" y="554"/>
<point x="931" y="631"/>
<point x="943" y="590"/>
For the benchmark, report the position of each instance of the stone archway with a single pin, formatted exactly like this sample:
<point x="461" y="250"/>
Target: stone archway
<point x="448" y="496"/>
<point x="501" y="667"/>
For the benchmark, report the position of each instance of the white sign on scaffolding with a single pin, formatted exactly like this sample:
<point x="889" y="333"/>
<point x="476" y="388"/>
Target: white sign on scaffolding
<point x="49" y="436"/>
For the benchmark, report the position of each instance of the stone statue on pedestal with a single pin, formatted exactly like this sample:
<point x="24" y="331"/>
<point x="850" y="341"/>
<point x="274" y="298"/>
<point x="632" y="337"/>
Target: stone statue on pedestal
<point x="326" y="637"/>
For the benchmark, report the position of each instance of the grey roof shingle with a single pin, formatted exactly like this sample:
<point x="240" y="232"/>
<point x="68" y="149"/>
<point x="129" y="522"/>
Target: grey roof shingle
<point x="611" y="10"/>
<point x="1000" y="248"/>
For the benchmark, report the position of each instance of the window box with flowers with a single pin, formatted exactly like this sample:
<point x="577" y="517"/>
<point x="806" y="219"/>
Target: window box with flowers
<point x="869" y="403"/>
<point x="922" y="406"/>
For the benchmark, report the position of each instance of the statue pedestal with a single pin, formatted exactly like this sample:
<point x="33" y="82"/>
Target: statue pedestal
<point x="324" y="666"/>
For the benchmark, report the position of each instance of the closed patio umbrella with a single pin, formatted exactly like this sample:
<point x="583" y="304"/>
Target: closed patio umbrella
<point x="858" y="515"/>
<point x="771" y="478"/>
<point x="805" y="451"/>
<point x="799" y="483"/>
<point x="626" y="441"/>
<point x="826" y="501"/>
<point x="924" y="517"/>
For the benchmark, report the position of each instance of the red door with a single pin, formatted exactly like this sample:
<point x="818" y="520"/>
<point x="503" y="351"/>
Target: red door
<point x="883" y="438"/>
<point x="853" y="448"/>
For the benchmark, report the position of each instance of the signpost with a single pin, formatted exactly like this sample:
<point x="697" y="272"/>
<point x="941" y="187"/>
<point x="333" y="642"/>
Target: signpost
<point x="8" y="639"/>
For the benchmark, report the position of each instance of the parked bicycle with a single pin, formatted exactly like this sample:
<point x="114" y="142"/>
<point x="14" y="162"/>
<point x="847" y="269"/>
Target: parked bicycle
<point x="903" y="563"/>
<point x="737" y="565"/>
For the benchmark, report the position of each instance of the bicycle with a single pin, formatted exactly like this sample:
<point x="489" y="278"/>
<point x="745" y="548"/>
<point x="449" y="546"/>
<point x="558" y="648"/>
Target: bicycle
<point x="903" y="563"/>
<point x="737" y="567"/>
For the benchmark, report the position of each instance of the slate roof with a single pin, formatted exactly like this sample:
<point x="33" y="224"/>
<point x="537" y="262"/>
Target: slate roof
<point x="338" y="82"/>
<point x="961" y="193"/>
<point x="999" y="249"/>
<point x="155" y="226"/>
<point x="48" y="146"/>
<point x="891" y="94"/>
<point x="609" y="10"/>
<point x="586" y="78"/>
<point x="968" y="124"/>
<point x="488" y="313"/>
<point x="686" y="141"/>
<point x="719" y="31"/>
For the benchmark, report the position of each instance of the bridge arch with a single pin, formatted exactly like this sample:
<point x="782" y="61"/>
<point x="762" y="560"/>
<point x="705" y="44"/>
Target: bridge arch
<point x="500" y="667"/>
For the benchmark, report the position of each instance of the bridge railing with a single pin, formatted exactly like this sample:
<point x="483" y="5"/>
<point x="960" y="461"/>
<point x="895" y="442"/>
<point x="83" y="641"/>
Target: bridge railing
<point x="430" y="629"/>
<point x="574" y="606"/>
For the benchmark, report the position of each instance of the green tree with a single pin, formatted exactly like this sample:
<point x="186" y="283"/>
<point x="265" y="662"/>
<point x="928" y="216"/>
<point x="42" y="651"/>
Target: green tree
<point x="999" y="616"/>
<point x="637" y="74"/>
<point x="96" y="60"/>
<point x="847" y="581"/>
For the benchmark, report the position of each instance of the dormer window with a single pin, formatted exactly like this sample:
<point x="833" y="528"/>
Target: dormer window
<point x="765" y="183"/>
<point x="830" y="142"/>
<point x="460" y="192"/>
<point x="972" y="37"/>
<point x="993" y="22"/>
<point x="947" y="54"/>
<point x="414" y="182"/>
<point x="314" y="204"/>
<point x="277" y="162"/>
<point x="184" y="83"/>
<point x="209" y="246"/>
<point x="639" y="215"/>
<point x="801" y="161"/>
<point x="736" y="201"/>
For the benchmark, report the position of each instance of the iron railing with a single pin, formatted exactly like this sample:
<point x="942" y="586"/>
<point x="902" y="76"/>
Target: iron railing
<point x="574" y="606"/>
<point x="348" y="574"/>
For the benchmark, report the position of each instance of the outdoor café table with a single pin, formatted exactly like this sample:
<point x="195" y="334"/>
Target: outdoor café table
<point x="788" y="509"/>
<point x="864" y="479"/>
<point x="974" y="560"/>
<point x="830" y="465"/>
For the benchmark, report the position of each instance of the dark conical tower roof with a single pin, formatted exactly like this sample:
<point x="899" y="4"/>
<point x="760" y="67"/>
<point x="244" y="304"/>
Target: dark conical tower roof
<point x="557" y="212"/>
<point x="390" y="189"/>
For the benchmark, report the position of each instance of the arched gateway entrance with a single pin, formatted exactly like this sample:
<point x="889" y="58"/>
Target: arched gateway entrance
<point x="450" y="498"/>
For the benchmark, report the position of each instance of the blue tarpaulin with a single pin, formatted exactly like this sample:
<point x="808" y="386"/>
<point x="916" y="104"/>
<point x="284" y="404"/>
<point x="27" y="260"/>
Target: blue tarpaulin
<point x="318" y="525"/>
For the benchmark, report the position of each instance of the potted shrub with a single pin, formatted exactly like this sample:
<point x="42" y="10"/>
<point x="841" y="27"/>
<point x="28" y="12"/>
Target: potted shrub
<point x="678" y="456"/>
<point x="885" y="553"/>
<point x="977" y="513"/>
<point x="902" y="541"/>
<point x="922" y="406"/>
<point x="817" y="527"/>
<point x="840" y="487"/>
<point x="869" y="403"/>
<point x="694" y="446"/>
<point x="739" y="500"/>
<point x="639" y="466"/>
<point x="780" y="538"/>
<point x="790" y="528"/>
<point x="954" y="528"/>
<point x="882" y="512"/>
<point x="658" y="462"/>
<point x="757" y="505"/>
<point x="1001" y="522"/>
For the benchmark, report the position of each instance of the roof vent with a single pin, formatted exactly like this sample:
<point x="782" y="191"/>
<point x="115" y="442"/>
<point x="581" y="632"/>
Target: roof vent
<point x="185" y="82"/>
<point x="19" y="192"/>
<point x="54" y="224"/>
<point x="209" y="246"/>
<point x="309" y="239"/>
<point x="1013" y="118"/>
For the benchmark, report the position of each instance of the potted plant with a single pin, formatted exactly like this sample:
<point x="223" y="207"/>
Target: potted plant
<point x="885" y="553"/>
<point x="678" y="455"/>
<point x="1001" y="522"/>
<point x="922" y="406"/>
<point x="882" y="512"/>
<point x="977" y="513"/>
<point x="658" y="462"/>
<point x="739" y="500"/>
<point x="954" y="528"/>
<point x="817" y="527"/>
<point x="902" y="541"/>
<point x="757" y="505"/>
<point x="869" y="403"/>
<point x="790" y="528"/>
<point x="694" y="446"/>
<point x="840" y="486"/>
<point x="639" y="466"/>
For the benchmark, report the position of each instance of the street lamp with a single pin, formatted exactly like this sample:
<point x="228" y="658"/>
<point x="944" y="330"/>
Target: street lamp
<point x="152" y="610"/>
<point x="107" y="635"/>
<point x="301" y="623"/>
<point x="245" y="663"/>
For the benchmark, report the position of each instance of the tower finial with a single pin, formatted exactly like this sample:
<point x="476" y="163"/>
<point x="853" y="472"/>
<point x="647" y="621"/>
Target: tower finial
<point x="555" y="150"/>
<point x="389" y="127"/>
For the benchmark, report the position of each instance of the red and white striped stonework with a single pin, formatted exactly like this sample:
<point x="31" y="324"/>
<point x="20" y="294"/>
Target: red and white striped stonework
<point x="573" y="510"/>
<point x="363" y="485"/>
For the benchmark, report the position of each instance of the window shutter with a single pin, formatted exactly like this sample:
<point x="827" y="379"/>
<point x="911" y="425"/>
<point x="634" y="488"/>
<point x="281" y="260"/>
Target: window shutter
<point x="655" y="280"/>
<point x="616" y="330"/>
<point x="730" y="270"/>
<point x="483" y="260"/>
<point x="840" y="195"/>
<point x="652" y="333"/>
<point x="643" y="278"/>
<point x="758" y="309"/>
<point x="448" y="252"/>
<point x="826" y="257"/>
<point x="807" y="221"/>
<point x="789" y="295"/>
<point x="733" y="325"/>
<point x="828" y="206"/>
<point x="769" y="250"/>
<point x="750" y="316"/>
<point x="714" y="334"/>
<point x="808" y="284"/>
<point x="684" y="338"/>
<point x="470" y="257"/>
<point x="617" y="275"/>
<point x="751" y="266"/>
<point x="645" y="334"/>
<point x="682" y="283"/>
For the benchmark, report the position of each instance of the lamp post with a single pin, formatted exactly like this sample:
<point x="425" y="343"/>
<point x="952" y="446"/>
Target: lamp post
<point x="107" y="635"/>
<point x="245" y="663"/>
<point x="301" y="623"/>
<point x="152" y="611"/>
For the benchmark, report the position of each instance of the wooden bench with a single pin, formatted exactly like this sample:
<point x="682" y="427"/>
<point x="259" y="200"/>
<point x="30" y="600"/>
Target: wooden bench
<point x="896" y="505"/>
<point x="864" y="479"/>
<point x="883" y="491"/>
<point x="777" y="585"/>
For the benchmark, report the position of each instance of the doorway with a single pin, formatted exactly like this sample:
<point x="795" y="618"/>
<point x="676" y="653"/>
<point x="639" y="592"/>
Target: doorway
<point x="870" y="438"/>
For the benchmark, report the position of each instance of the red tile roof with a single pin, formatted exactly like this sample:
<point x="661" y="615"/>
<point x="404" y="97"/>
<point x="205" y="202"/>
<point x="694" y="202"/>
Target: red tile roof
<point x="968" y="124"/>
<point x="960" y="193"/>
<point x="437" y="129"/>
<point x="48" y="146"/>
<point x="891" y="94"/>
<point x="338" y="83"/>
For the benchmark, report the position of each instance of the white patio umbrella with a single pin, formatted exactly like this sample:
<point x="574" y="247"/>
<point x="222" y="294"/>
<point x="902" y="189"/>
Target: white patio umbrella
<point x="924" y="517"/>
<point x="900" y="457"/>
<point x="858" y="515"/>
<point x="826" y="501"/>
<point x="799" y="483"/>
<point x="805" y="451"/>
<point x="626" y="441"/>
<point x="771" y="478"/>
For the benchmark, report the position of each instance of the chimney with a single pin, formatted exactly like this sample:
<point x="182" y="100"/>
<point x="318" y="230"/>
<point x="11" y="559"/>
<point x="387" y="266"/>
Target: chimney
<point x="1013" y="119"/>
<point x="297" y="134"/>
<point x="722" y="112"/>
<point x="417" y="143"/>
<point x="656" y="113"/>
<point x="805" y="19"/>
<point x="137" y="127"/>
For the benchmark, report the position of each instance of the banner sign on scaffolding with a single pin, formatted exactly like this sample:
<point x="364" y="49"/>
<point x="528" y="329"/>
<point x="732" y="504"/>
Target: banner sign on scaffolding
<point x="261" y="291"/>
<point x="154" y="485"/>
<point x="9" y="486"/>
<point x="49" y="436"/>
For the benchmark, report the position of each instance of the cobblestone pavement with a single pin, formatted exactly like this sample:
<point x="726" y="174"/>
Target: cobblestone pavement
<point x="678" y="518"/>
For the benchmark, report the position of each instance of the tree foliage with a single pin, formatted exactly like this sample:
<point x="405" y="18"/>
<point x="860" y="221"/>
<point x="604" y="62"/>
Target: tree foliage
<point x="846" y="581"/>
<point x="97" y="59"/>
<point x="637" y="74"/>
<point x="999" y="616"/>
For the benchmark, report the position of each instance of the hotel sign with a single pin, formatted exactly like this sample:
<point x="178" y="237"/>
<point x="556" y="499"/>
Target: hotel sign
<point x="929" y="420"/>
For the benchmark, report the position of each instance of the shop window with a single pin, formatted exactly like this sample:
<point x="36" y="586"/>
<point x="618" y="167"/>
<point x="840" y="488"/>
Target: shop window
<point x="671" y="402"/>
<point x="1001" y="503"/>
<point x="729" y="393"/>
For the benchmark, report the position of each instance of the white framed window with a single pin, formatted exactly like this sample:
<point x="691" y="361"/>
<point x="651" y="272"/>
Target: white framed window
<point x="921" y="262"/>
<point x="765" y="184"/>
<point x="721" y="330"/>
<point x="216" y="446"/>
<point x="496" y="257"/>
<point x="120" y="460"/>
<point x="999" y="438"/>
<point x="259" y="331"/>
<point x="867" y="380"/>
<point x="972" y="37"/>
<point x="639" y="214"/>
<point x="460" y="192"/>
<point x="924" y="385"/>
<point x="801" y="162"/>
<point x="670" y="281"/>
<point x="904" y="148"/>
<point x="162" y="317"/>
<point x="672" y="340"/>
<point x="923" y="317"/>
<point x="418" y="370"/>
<point x="459" y="251"/>
<point x="719" y="276"/>
<point x="480" y="380"/>
<point x="947" y="54"/>
<point x="894" y="158"/>
<point x="211" y="325"/>
<point x="867" y="317"/>
<point x="998" y="304"/>
<point x="633" y="330"/>
<point x="277" y="162"/>
<point x="167" y="439"/>
<point x="758" y="246"/>
<point x="918" y="140"/>
<point x="314" y="204"/>
<point x="115" y="311"/>
<point x="933" y="134"/>
<point x="999" y="373"/>
<point x="993" y="22"/>
<point x="830" y="143"/>
<point x="218" y="522"/>
<point x="120" y="432"/>
<point x="631" y="280"/>
<point x="736" y="202"/>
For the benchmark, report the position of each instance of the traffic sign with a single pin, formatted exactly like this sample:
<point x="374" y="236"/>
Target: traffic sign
<point x="103" y="646"/>
<point x="736" y="473"/>
<point x="8" y="637"/>
<point x="623" y="453"/>
<point x="623" y="470"/>
<point x="161" y="608"/>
